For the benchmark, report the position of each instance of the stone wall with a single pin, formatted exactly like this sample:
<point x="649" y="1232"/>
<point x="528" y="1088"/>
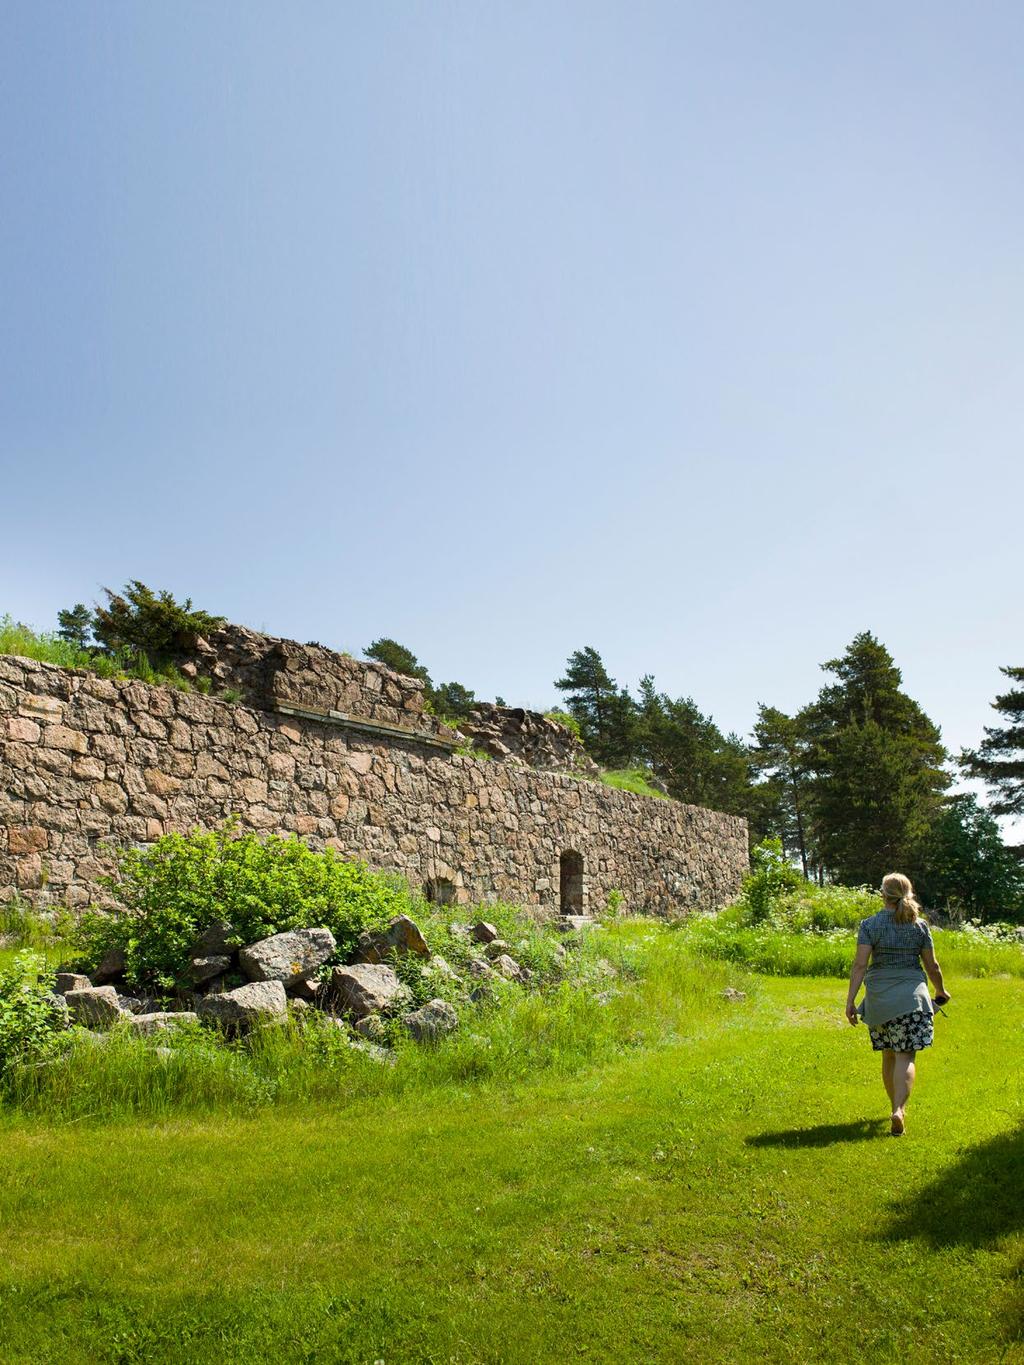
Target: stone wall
<point x="85" y="760"/>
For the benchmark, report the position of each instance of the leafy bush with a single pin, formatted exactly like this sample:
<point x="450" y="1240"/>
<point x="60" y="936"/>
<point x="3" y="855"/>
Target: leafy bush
<point x="29" y="1017"/>
<point x="142" y="622"/>
<point x="169" y="893"/>
<point x="772" y="877"/>
<point x="566" y="719"/>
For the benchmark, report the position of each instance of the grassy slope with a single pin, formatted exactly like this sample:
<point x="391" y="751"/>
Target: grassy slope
<point x="729" y="1197"/>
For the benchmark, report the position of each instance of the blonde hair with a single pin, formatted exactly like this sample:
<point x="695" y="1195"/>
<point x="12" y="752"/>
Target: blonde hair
<point x="899" y="893"/>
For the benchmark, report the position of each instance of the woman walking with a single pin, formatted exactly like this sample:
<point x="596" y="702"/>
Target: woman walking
<point x="896" y="1007"/>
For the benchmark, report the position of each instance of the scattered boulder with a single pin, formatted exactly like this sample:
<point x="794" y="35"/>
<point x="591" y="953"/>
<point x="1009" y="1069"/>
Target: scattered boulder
<point x="431" y="1021"/>
<point x="206" y="969"/>
<point x="731" y="993"/>
<point x="111" y="967"/>
<point x="94" y="1006"/>
<point x="288" y="958"/>
<point x="440" y="966"/>
<point x="482" y="932"/>
<point x="215" y="941"/>
<point x="480" y="969"/>
<point x="161" y="1021"/>
<point x="70" y="981"/>
<point x="495" y="948"/>
<point x="366" y="988"/>
<point x="59" y="1012"/>
<point x="134" y="1004"/>
<point x="510" y="969"/>
<point x="372" y="1028"/>
<point x="239" y="1010"/>
<point x="309" y="988"/>
<point x="570" y="924"/>
<point x="402" y="935"/>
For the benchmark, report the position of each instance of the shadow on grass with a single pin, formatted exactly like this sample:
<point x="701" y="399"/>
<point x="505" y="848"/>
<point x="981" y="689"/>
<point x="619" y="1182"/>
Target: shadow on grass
<point x="823" y="1135"/>
<point x="974" y="1202"/>
<point x="977" y="1200"/>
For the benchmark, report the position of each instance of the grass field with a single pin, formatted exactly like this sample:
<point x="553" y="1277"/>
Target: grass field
<point x="718" y="1189"/>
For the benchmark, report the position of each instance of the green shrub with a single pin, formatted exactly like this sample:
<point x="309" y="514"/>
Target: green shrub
<point x="28" y="1016"/>
<point x="567" y="720"/>
<point x="168" y="893"/>
<point x="772" y="877"/>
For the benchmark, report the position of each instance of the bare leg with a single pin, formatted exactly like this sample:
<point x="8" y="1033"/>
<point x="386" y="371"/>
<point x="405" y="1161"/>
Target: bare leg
<point x="888" y="1062"/>
<point x="903" y="1083"/>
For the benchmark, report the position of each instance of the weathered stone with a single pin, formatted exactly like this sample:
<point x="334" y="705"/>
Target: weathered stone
<point x="214" y="941"/>
<point x="60" y="1014"/>
<point x="162" y="1021"/>
<point x="731" y="993"/>
<point x="371" y="1026"/>
<point x="509" y="968"/>
<point x="288" y="957"/>
<point x="366" y="988"/>
<point x="482" y="932"/>
<point x="94" y="1006"/>
<point x="479" y="969"/>
<point x="432" y="1020"/>
<point x="204" y="969"/>
<point x="495" y="948"/>
<point x="27" y="839"/>
<point x="403" y="935"/>
<point x="22" y="730"/>
<point x="239" y="1010"/>
<point x="70" y="981"/>
<point x="110" y="967"/>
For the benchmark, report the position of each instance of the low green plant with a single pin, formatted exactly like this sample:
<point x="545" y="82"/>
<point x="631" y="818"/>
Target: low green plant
<point x="636" y="780"/>
<point x="167" y="894"/>
<point x="567" y="720"/>
<point x="52" y="648"/>
<point x="29" y="1015"/>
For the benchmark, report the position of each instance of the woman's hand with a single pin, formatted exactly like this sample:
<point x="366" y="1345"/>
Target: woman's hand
<point x="851" y="1012"/>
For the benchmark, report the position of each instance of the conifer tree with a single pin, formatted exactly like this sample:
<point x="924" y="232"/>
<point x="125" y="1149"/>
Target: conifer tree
<point x="999" y="759"/>
<point x="605" y="712"/>
<point x="877" y="762"/>
<point x="779" y="756"/>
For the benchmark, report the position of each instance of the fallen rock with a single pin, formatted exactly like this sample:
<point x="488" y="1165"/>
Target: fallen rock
<point x="111" y="966"/>
<point x="161" y="1021"/>
<point x="480" y="969"/>
<point x="372" y="1028"/>
<point x="239" y="1010"/>
<point x="495" y="948"/>
<point x="288" y="957"/>
<point x="70" y="981"/>
<point x="205" y="969"/>
<point x="309" y="988"/>
<point x="730" y="993"/>
<point x="510" y="968"/>
<point x="59" y="1012"/>
<point x="375" y="1053"/>
<point x="402" y="935"/>
<point x="440" y="966"/>
<point x="215" y="941"/>
<point x="432" y="1020"/>
<point x="94" y="1006"/>
<point x="482" y="932"/>
<point x="366" y="988"/>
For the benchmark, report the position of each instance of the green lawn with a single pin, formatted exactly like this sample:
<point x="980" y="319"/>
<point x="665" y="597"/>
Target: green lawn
<point x="728" y="1197"/>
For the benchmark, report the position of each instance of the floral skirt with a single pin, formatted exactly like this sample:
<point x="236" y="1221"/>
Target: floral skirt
<point x="905" y="1033"/>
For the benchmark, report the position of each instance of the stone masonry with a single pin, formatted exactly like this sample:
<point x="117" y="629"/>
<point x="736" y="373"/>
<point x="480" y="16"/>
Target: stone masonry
<point x="340" y="754"/>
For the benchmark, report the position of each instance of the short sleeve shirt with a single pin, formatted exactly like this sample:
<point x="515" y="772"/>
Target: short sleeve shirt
<point x="892" y="944"/>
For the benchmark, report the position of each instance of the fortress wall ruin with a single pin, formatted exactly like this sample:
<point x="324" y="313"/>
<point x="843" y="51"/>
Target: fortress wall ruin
<point x="86" y="761"/>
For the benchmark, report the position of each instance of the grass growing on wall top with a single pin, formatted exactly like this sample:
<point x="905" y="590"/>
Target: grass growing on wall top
<point x="48" y="647"/>
<point x="632" y="780"/>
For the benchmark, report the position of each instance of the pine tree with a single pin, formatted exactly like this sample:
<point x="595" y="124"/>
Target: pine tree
<point x="779" y="756"/>
<point x="139" y="621"/>
<point x="877" y="762"/>
<point x="396" y="657"/>
<point x="999" y="759"/>
<point x="605" y="712"/>
<point x="689" y="753"/>
<point x="75" y="625"/>
<point x="968" y="867"/>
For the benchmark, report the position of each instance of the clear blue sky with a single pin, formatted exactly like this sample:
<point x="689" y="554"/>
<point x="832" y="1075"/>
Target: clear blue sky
<point x="689" y="331"/>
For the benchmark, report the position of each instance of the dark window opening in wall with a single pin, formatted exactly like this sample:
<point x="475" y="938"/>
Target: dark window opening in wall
<point x="571" y="882"/>
<point x="439" y="891"/>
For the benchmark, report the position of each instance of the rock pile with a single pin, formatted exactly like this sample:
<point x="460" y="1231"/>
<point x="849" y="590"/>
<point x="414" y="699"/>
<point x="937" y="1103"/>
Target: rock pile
<point x="526" y="739"/>
<point x="292" y="971"/>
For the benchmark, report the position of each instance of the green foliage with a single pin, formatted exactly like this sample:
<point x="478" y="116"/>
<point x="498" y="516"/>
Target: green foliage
<point x="967" y="867"/>
<point x="877" y="763"/>
<point x="396" y="657"/>
<point x="564" y="718"/>
<point x="168" y="893"/>
<point x="28" y="1017"/>
<point x="139" y="621"/>
<point x="999" y="759"/>
<point x="452" y="699"/>
<point x="779" y="758"/>
<point x="52" y="648"/>
<point x="75" y="625"/>
<point x="635" y="780"/>
<point x="603" y="711"/>
<point x="772" y="877"/>
<point x="687" y="750"/>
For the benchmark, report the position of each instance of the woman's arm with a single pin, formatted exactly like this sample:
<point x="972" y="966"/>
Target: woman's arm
<point x="860" y="966"/>
<point x="931" y="966"/>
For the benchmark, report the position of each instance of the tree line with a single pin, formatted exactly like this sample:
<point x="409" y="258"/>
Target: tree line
<point x="854" y="784"/>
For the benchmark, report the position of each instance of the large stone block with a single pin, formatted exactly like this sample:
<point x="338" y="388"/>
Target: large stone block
<point x="367" y="988"/>
<point x="289" y="958"/>
<point x="403" y="935"/>
<point x="240" y="1010"/>
<point x="94" y="1006"/>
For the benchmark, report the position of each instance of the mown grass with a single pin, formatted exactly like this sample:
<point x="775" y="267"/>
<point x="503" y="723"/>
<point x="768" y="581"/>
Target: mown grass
<point x="725" y="1195"/>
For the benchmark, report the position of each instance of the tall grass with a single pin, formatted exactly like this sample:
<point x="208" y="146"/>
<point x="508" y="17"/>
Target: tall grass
<point x="634" y="780"/>
<point x="627" y="986"/>
<point x="48" y="647"/>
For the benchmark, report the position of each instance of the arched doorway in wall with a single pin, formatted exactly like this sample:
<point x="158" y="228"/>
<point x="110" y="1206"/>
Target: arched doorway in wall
<point x="570" y="882"/>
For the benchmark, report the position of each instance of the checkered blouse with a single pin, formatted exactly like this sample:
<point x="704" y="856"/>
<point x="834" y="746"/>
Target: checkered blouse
<point x="892" y="944"/>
